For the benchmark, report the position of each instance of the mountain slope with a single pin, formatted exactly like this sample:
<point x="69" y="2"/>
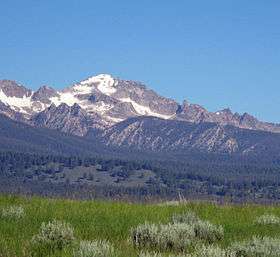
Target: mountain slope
<point x="197" y="114"/>
<point x="20" y="137"/>
<point x="158" y="135"/>
<point x="142" y="137"/>
<point x="69" y="119"/>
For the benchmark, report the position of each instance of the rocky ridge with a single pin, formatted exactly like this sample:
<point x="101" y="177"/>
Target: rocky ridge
<point x="102" y="101"/>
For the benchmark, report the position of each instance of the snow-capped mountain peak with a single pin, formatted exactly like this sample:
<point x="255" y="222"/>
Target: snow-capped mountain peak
<point x="105" y="83"/>
<point x="97" y="79"/>
<point x="102" y="101"/>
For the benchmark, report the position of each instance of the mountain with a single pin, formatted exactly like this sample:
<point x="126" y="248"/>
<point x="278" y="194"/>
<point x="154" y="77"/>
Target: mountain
<point x="20" y="137"/>
<point x="69" y="119"/>
<point x="102" y="101"/>
<point x="140" y="156"/>
<point x="170" y="136"/>
<point x="197" y="114"/>
<point x="141" y="137"/>
<point x="111" y="137"/>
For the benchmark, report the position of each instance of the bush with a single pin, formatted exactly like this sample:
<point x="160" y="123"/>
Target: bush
<point x="54" y="235"/>
<point x="145" y="235"/>
<point x="94" y="249"/>
<point x="155" y="254"/>
<point x="208" y="232"/>
<point x="175" y="236"/>
<point x="204" y="230"/>
<point x="257" y="247"/>
<point x="188" y="217"/>
<point x="212" y="251"/>
<point x="267" y="219"/>
<point x="147" y="254"/>
<point x="163" y="237"/>
<point x="202" y="251"/>
<point x="13" y="212"/>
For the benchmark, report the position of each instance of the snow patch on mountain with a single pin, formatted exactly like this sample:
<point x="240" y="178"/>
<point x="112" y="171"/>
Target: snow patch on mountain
<point x="105" y="83"/>
<point x="16" y="102"/>
<point x="66" y="98"/>
<point x="99" y="107"/>
<point x="144" y="110"/>
<point x="83" y="94"/>
<point x="115" y="120"/>
<point x="82" y="89"/>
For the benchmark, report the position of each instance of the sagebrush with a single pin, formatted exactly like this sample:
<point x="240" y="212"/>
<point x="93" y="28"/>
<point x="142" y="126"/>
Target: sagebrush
<point x="268" y="219"/>
<point x="163" y="236"/>
<point x="13" y="212"/>
<point x="257" y="247"/>
<point x="54" y="235"/>
<point x="94" y="249"/>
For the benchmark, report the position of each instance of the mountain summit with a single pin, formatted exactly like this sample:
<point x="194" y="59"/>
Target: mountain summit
<point x="101" y="101"/>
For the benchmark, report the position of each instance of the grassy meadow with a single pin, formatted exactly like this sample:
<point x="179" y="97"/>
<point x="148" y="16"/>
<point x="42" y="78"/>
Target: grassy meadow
<point x="112" y="221"/>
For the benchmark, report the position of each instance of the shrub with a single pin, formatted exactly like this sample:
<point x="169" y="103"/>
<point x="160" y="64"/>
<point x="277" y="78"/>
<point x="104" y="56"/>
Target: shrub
<point x="155" y="254"/>
<point x="188" y="217"/>
<point x="145" y="235"/>
<point x="207" y="231"/>
<point x="163" y="237"/>
<point x="147" y="254"/>
<point x="204" y="230"/>
<point x="212" y="251"/>
<point x="94" y="249"/>
<point x="267" y="219"/>
<point x="13" y="212"/>
<point x="54" y="235"/>
<point x="257" y="247"/>
<point x="175" y="236"/>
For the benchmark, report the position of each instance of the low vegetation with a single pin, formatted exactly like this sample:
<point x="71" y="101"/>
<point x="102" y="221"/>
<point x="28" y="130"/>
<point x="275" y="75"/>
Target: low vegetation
<point x="163" y="237"/>
<point x="258" y="247"/>
<point x="268" y="219"/>
<point x="94" y="249"/>
<point x="54" y="235"/>
<point x="37" y="227"/>
<point x="203" y="229"/>
<point x="212" y="251"/>
<point x="12" y="212"/>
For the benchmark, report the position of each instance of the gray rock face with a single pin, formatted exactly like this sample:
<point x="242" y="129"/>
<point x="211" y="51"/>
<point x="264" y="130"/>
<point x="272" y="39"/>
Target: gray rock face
<point x="138" y="93"/>
<point x="153" y="134"/>
<point x="197" y="114"/>
<point x="43" y="94"/>
<point x="12" y="89"/>
<point x="7" y="111"/>
<point x="193" y="113"/>
<point x="69" y="119"/>
<point x="163" y="135"/>
<point x="122" y="111"/>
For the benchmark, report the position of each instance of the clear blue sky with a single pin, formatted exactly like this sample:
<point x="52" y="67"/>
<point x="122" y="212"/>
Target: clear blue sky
<point x="216" y="53"/>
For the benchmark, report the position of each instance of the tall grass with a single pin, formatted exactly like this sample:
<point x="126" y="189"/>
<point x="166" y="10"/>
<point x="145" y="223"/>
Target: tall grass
<point x="112" y="221"/>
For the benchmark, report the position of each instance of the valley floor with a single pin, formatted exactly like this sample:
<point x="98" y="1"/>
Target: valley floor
<point x="113" y="221"/>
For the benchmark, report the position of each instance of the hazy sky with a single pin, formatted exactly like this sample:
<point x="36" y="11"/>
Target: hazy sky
<point x="216" y="53"/>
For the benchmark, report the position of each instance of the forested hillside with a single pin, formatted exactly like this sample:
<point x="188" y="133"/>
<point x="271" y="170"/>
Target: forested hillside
<point x="93" y="177"/>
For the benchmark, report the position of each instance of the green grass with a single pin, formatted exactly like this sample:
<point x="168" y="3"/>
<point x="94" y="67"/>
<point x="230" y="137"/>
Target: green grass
<point x="112" y="221"/>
